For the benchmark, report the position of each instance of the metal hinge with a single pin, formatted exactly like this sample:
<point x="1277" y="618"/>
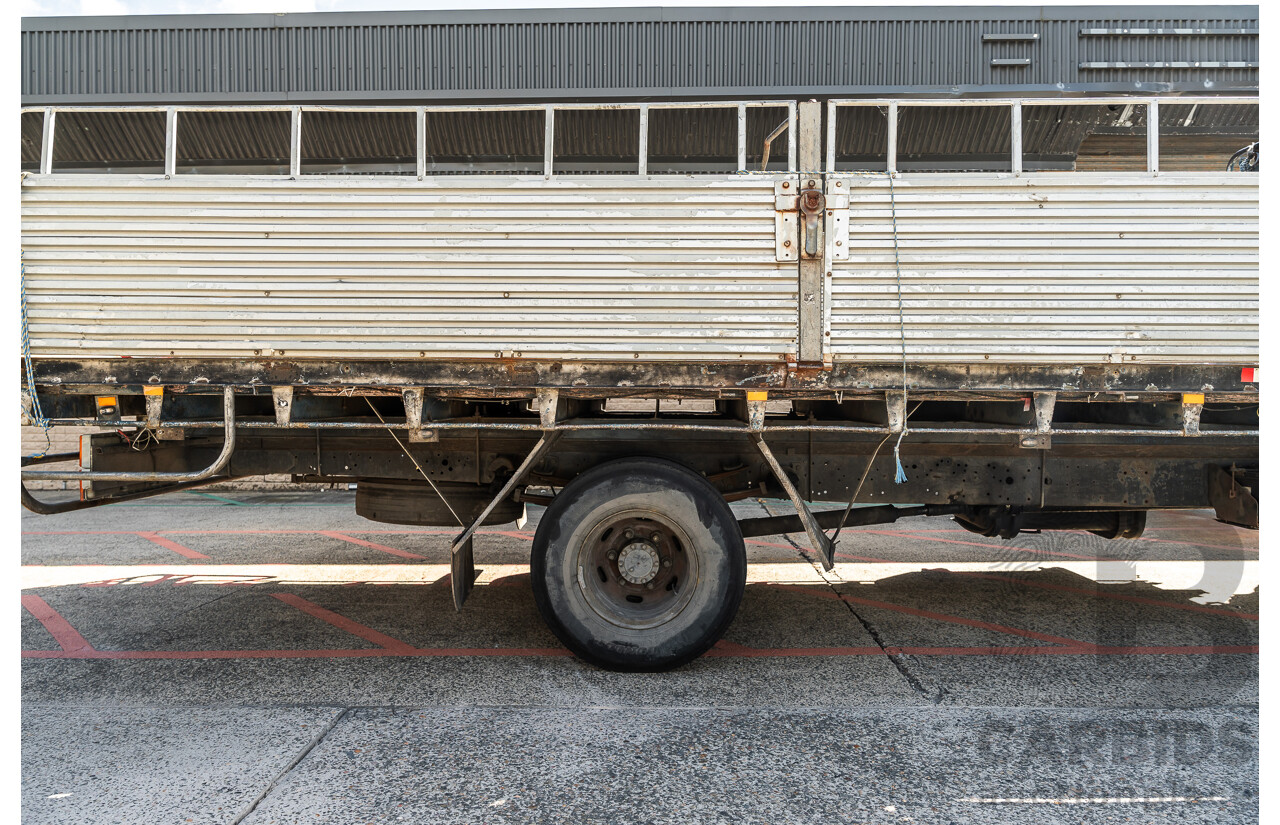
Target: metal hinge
<point x="837" y="219"/>
<point x="786" y="220"/>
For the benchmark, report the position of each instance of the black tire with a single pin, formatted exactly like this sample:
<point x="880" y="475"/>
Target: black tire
<point x="653" y="515"/>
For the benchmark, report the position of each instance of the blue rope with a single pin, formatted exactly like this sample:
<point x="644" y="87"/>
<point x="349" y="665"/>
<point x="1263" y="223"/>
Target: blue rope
<point x="37" y="414"/>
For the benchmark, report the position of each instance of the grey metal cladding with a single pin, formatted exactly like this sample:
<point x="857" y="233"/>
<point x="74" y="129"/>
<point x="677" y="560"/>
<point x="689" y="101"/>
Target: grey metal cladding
<point x="620" y="54"/>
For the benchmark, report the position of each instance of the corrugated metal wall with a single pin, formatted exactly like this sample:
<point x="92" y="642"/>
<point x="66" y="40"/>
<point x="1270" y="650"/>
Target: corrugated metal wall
<point x="1057" y="267"/>
<point x="633" y="53"/>
<point x="609" y="267"/>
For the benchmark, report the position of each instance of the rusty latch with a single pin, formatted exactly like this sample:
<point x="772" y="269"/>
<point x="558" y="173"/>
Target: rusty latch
<point x="812" y="203"/>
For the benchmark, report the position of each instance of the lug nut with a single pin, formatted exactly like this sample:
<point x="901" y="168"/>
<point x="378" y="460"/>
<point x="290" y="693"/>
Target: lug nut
<point x="666" y="562"/>
<point x="656" y="537"/>
<point x="612" y="555"/>
<point x="627" y="534"/>
<point x="649" y="586"/>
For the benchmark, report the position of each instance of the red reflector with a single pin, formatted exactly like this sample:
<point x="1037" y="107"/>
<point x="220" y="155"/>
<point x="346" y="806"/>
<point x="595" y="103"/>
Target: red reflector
<point x="1249" y="375"/>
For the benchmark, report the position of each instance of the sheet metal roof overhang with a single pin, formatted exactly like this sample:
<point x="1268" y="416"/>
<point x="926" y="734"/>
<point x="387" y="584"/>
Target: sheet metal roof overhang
<point x="639" y="54"/>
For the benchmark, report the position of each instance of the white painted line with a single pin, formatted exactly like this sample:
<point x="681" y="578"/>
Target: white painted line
<point x="1218" y="579"/>
<point x="1097" y="800"/>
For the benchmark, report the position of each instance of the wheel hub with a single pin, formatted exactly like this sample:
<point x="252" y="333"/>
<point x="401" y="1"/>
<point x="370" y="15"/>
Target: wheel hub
<point x="637" y="568"/>
<point x="638" y="563"/>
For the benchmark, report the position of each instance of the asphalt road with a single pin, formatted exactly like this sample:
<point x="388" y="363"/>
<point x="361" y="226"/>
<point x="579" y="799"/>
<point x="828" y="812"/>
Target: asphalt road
<point x="274" y="658"/>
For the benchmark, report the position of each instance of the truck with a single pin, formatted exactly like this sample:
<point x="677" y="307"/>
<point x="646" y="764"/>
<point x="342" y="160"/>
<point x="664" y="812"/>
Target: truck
<point x="1024" y="307"/>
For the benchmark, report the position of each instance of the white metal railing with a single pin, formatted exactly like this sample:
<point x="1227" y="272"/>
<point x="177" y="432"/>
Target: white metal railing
<point x="893" y="105"/>
<point x="173" y="124"/>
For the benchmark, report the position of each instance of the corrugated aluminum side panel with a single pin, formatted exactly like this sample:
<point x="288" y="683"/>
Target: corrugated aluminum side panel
<point x="1057" y="267"/>
<point x="607" y="267"/>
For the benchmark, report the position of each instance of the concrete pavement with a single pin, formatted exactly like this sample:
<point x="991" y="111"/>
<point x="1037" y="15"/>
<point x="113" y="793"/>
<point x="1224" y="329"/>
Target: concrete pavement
<point x="272" y="657"/>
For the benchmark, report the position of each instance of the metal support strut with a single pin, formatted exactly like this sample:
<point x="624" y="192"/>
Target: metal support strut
<point x="818" y="540"/>
<point x="462" y="566"/>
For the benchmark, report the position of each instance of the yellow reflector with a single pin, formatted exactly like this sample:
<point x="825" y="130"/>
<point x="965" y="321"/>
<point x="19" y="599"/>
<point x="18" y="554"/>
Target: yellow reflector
<point x="1193" y="398"/>
<point x="153" y="390"/>
<point x="757" y="395"/>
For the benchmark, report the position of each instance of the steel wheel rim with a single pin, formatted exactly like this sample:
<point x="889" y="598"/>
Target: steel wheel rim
<point x="621" y="588"/>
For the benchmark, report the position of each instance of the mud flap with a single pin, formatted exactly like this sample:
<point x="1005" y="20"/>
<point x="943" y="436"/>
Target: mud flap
<point x="1234" y="495"/>
<point x="462" y="572"/>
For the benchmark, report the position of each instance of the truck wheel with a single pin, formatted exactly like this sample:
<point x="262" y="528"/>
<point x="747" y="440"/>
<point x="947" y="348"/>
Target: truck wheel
<point x="638" y="565"/>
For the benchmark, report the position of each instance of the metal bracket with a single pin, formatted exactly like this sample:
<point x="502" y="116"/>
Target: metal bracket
<point x="1042" y="438"/>
<point x="756" y="410"/>
<point x="282" y="402"/>
<point x="1044" y="402"/>
<point x="818" y="540"/>
<point x="413" y="400"/>
<point x="896" y="409"/>
<point x="1191" y="418"/>
<point x="155" y="406"/>
<point x="786" y="220"/>
<point x="548" y="403"/>
<point x="837" y="221"/>
<point x="28" y="409"/>
<point x="154" y="398"/>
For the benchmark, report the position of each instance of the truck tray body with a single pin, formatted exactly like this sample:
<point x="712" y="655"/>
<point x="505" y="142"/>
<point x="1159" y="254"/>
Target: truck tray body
<point x="1062" y="268"/>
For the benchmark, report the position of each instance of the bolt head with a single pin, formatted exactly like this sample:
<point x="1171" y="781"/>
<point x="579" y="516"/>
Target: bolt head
<point x="666" y="562"/>
<point x="649" y="586"/>
<point x="628" y="533"/>
<point x="656" y="537"/>
<point x="612" y="555"/>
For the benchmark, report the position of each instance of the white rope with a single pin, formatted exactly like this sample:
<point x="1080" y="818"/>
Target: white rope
<point x="900" y="476"/>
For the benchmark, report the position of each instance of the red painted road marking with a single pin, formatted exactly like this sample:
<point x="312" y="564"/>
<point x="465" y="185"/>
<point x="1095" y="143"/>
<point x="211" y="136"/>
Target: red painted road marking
<point x="1195" y="544"/>
<point x="404" y="554"/>
<point x="343" y="623"/>
<point x="724" y="647"/>
<point x="293" y="532"/>
<point x="172" y="545"/>
<point x="67" y="637"/>
<point x="941" y="617"/>
<point x="1194" y="608"/>
<point x="1172" y="650"/>
<point x="176" y="580"/>
<point x="978" y="623"/>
